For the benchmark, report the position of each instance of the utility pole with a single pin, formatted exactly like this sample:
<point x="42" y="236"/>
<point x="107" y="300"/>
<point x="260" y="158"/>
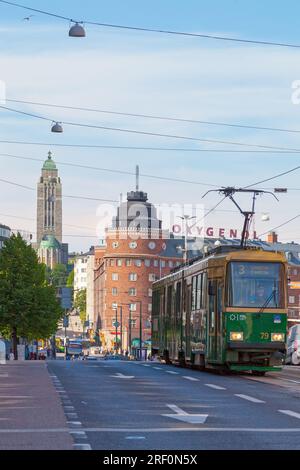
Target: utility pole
<point x="121" y="328"/>
<point x="141" y="331"/>
<point x="129" y="331"/>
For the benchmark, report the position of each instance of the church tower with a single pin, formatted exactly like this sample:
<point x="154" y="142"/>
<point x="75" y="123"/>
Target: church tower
<point x="49" y="202"/>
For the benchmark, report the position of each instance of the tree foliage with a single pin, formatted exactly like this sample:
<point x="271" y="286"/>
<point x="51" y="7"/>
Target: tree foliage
<point x="80" y="304"/>
<point x="28" y="304"/>
<point x="57" y="276"/>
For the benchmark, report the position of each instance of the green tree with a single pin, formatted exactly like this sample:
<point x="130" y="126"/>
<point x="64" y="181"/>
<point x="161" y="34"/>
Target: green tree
<point x="57" y="276"/>
<point x="70" y="280"/>
<point x="28" y="305"/>
<point x="80" y="304"/>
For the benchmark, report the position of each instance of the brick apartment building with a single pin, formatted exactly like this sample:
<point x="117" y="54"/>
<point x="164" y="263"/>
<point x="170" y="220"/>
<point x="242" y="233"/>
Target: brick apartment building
<point x="135" y="253"/>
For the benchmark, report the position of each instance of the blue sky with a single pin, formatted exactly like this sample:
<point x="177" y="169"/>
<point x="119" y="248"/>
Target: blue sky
<point x="155" y="74"/>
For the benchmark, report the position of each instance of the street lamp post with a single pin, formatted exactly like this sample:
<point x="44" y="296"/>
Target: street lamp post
<point x="129" y="331"/>
<point x="121" y="328"/>
<point x="141" y="331"/>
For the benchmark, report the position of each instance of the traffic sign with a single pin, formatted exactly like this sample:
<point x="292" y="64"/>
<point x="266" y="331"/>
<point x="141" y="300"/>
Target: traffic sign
<point x="116" y="324"/>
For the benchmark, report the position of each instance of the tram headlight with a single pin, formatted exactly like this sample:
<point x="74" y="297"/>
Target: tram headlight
<point x="236" y="336"/>
<point x="277" y="337"/>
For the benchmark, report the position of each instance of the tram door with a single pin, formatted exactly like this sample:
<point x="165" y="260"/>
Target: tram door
<point x="214" y="330"/>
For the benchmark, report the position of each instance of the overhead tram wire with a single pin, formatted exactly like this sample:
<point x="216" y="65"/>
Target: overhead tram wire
<point x="110" y="170"/>
<point x="279" y="226"/>
<point x="145" y="175"/>
<point x="157" y="149"/>
<point x="154" y="30"/>
<point x="149" y="116"/>
<point x="145" y="133"/>
<point x="64" y="195"/>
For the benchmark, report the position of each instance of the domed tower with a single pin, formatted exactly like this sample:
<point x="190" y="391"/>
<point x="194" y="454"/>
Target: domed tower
<point x="49" y="203"/>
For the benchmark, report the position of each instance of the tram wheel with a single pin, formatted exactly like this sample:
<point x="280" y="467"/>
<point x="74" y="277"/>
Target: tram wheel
<point x="259" y="373"/>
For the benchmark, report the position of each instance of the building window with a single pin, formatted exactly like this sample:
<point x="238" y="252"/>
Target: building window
<point x="114" y="291"/>
<point x="119" y="262"/>
<point x="138" y="263"/>
<point x="115" y="276"/>
<point x="149" y="292"/>
<point x="170" y="264"/>
<point x="152" y="277"/>
<point x="128" y="262"/>
<point x="133" y="245"/>
<point x="83" y="270"/>
<point x="132" y="277"/>
<point x="111" y="262"/>
<point x="155" y="263"/>
<point x="133" y="322"/>
<point x="149" y="308"/>
<point x="291" y="299"/>
<point x="132" y="291"/>
<point x="133" y="307"/>
<point x="295" y="272"/>
<point x="178" y="263"/>
<point x="163" y="263"/>
<point x="147" y="263"/>
<point x="114" y="306"/>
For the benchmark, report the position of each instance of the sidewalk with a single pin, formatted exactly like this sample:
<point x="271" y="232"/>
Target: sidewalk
<point x="31" y="415"/>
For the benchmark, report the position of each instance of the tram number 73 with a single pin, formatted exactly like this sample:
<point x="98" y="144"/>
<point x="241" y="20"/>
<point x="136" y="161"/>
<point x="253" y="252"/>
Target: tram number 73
<point x="264" y="335"/>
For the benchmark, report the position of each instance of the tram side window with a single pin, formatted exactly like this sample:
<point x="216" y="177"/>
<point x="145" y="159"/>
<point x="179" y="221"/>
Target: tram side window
<point x="199" y="291"/>
<point x="194" y="292"/>
<point x="169" y="301"/>
<point x="178" y="299"/>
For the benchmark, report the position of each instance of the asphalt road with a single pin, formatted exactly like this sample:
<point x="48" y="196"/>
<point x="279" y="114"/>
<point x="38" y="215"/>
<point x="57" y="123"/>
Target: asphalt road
<point x="120" y="405"/>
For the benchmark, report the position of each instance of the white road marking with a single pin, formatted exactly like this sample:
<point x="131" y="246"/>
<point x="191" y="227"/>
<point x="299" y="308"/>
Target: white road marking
<point x="82" y="447"/>
<point x="193" y="379"/>
<point x="3" y="375"/>
<point x="289" y="380"/>
<point x="146" y="365"/>
<point x="16" y="396"/>
<point x="78" y="433"/>
<point x="135" y="437"/>
<point x="150" y="430"/>
<point x="71" y="415"/>
<point x="217" y="387"/>
<point x="247" y="397"/>
<point x="172" y="372"/>
<point x="69" y="407"/>
<point x="185" y="417"/>
<point x="157" y="368"/>
<point x="290" y="413"/>
<point x="74" y="423"/>
<point x="122" y="376"/>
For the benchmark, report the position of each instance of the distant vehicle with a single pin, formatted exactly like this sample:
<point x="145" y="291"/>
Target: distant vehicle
<point x="112" y="357"/>
<point x="94" y="351"/>
<point x="74" y="349"/>
<point x="293" y="346"/>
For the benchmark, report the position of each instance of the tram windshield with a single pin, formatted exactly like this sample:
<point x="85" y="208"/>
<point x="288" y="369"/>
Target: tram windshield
<point x="255" y="284"/>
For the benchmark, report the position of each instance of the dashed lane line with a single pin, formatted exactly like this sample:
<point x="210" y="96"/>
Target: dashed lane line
<point x="216" y="387"/>
<point x="171" y="372"/>
<point x="247" y="397"/>
<point x="192" y="379"/>
<point x="290" y="413"/>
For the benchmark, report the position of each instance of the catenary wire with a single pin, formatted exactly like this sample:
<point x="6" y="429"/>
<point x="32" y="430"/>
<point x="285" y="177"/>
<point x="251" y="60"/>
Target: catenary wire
<point x="123" y="147"/>
<point x="146" y="133"/>
<point x="149" y="116"/>
<point x="153" y="30"/>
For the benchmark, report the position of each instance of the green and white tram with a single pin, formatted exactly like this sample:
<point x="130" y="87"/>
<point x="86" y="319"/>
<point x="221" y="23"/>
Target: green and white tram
<point x="227" y="310"/>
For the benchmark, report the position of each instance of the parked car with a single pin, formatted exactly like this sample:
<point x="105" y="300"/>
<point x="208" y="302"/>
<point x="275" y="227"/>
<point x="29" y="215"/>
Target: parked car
<point x="293" y="346"/>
